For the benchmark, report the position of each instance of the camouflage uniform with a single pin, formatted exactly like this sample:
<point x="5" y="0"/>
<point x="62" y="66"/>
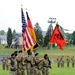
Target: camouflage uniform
<point x="73" y="61"/>
<point x="46" y="65"/>
<point x="3" y="63"/>
<point x="20" y="70"/>
<point x="23" y="65"/>
<point x="62" y="61"/>
<point x="13" y="65"/>
<point x="68" y="61"/>
<point x="7" y="63"/>
<point x="30" y="63"/>
<point x="58" y="61"/>
<point x="38" y="65"/>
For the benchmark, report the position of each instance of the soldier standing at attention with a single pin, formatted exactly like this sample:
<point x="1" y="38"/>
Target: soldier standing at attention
<point x="73" y="61"/>
<point x="13" y="65"/>
<point x="46" y="65"/>
<point x="58" y="61"/>
<point x="62" y="61"/>
<point x="3" y="63"/>
<point x="68" y="61"/>
<point x="7" y="64"/>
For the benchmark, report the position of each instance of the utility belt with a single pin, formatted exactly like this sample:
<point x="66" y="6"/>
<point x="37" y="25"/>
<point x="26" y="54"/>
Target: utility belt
<point x="28" y="61"/>
<point x="47" y="66"/>
<point x="13" y="69"/>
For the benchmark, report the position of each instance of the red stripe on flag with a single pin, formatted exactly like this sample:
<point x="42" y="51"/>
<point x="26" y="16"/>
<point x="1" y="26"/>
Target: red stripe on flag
<point x="27" y="40"/>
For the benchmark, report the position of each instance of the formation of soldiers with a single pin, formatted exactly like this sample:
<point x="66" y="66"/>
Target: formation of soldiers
<point x="28" y="65"/>
<point x="5" y="62"/>
<point x="61" y="61"/>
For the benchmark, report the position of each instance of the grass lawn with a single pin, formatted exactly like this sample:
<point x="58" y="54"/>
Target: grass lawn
<point x="53" y="54"/>
<point x="53" y="71"/>
<point x="3" y="72"/>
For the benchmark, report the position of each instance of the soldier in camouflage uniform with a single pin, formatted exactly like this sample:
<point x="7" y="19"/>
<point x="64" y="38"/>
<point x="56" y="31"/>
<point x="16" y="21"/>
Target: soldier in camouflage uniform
<point x="73" y="61"/>
<point x="62" y="61"/>
<point x="46" y="65"/>
<point x="20" y="70"/>
<point x="23" y="65"/>
<point x="7" y="63"/>
<point x="29" y="63"/>
<point x="68" y="61"/>
<point x="58" y="62"/>
<point x="3" y="63"/>
<point x="13" y="65"/>
<point x="38" y="66"/>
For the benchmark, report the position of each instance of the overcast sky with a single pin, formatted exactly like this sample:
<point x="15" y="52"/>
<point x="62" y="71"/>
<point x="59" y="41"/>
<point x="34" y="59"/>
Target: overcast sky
<point x="39" y="11"/>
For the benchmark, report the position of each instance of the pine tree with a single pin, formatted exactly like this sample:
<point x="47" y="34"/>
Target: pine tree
<point x="9" y="37"/>
<point x="38" y="32"/>
<point x="48" y="35"/>
<point x="14" y="34"/>
<point x="73" y="37"/>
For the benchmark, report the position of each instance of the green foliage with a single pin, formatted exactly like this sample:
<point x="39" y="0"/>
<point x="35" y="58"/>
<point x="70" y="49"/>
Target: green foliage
<point x="73" y="37"/>
<point x="2" y="32"/>
<point x="38" y="32"/>
<point x="68" y="38"/>
<point x="48" y="35"/>
<point x="14" y="33"/>
<point x="9" y="37"/>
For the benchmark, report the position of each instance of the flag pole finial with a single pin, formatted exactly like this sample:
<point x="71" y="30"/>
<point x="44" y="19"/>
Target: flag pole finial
<point x="26" y="9"/>
<point x="57" y="24"/>
<point x="21" y="5"/>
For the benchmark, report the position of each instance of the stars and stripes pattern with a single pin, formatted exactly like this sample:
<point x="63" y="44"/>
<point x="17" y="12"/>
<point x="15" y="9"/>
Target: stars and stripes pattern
<point x="27" y="39"/>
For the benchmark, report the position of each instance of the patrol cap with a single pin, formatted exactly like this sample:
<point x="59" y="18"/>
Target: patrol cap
<point x="36" y="54"/>
<point x="45" y="55"/>
<point x="16" y="52"/>
<point x="20" y="51"/>
<point x="12" y="54"/>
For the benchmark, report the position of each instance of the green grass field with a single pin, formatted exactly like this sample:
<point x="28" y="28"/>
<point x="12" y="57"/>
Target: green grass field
<point x="68" y="51"/>
<point x="53" y="71"/>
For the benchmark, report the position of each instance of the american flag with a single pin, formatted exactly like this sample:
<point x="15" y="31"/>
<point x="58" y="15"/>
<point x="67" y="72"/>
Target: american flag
<point x="27" y="39"/>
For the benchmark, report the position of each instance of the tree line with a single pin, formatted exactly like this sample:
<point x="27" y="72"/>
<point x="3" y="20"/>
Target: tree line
<point x="41" y="40"/>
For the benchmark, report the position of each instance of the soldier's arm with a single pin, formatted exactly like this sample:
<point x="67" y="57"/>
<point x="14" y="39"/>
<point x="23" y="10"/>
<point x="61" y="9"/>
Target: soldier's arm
<point x="49" y="63"/>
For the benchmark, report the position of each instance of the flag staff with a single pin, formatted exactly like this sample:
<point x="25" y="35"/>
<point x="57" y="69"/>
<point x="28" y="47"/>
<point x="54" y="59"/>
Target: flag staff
<point x="21" y="5"/>
<point x="51" y="21"/>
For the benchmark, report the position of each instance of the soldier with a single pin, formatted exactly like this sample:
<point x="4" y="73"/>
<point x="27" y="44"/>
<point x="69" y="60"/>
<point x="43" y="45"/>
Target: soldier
<point x="73" y="61"/>
<point x="23" y="65"/>
<point x="13" y="65"/>
<point x="7" y="63"/>
<point x="68" y="61"/>
<point x="46" y="65"/>
<point x="62" y="61"/>
<point x="29" y="63"/>
<point x="3" y="63"/>
<point x="38" y="66"/>
<point x="19" y="63"/>
<point x="58" y="62"/>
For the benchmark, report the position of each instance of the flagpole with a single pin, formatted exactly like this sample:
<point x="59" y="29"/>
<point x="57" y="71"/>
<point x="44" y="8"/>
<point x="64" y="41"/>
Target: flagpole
<point x="51" y="21"/>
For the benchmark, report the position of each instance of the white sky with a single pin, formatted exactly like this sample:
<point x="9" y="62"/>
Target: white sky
<point x="39" y="11"/>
